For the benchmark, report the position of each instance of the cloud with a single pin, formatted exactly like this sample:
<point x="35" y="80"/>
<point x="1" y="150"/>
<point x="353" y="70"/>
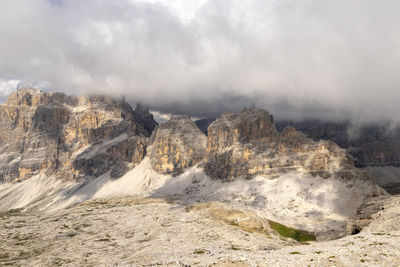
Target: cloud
<point x="7" y="87"/>
<point x="308" y="58"/>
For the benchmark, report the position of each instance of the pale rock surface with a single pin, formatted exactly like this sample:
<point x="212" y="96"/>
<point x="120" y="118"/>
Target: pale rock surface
<point x="289" y="172"/>
<point x="307" y="185"/>
<point x="150" y="232"/>
<point x="296" y="199"/>
<point x="248" y="144"/>
<point x="375" y="147"/>
<point x="73" y="137"/>
<point x="50" y="193"/>
<point x="178" y="144"/>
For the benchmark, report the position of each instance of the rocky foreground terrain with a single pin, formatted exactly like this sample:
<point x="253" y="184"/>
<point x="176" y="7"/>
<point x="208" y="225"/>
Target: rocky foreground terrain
<point x="89" y="181"/>
<point x="156" y="232"/>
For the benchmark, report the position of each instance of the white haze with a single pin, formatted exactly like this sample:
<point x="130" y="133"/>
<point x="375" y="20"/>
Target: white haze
<point x="297" y="58"/>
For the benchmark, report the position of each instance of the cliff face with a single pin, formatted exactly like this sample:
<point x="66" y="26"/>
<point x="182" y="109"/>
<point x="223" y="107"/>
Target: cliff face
<point x="232" y="140"/>
<point x="68" y="135"/>
<point x="178" y="144"/>
<point x="374" y="147"/>
<point x="370" y="145"/>
<point x="75" y="137"/>
<point x="248" y="144"/>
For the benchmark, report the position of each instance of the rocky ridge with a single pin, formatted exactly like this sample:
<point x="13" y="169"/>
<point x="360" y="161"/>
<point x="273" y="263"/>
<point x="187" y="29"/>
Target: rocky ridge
<point x="71" y="137"/>
<point x="75" y="137"/>
<point x="95" y="139"/>
<point x="244" y="189"/>
<point x="248" y="144"/>
<point x="375" y="147"/>
<point x="177" y="145"/>
<point x="369" y="144"/>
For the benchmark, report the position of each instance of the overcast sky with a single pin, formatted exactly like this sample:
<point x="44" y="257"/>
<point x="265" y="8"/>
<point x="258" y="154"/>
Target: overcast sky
<point x="296" y="58"/>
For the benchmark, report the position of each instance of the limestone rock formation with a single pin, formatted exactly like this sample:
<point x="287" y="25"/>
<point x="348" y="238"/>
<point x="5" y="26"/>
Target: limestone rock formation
<point x="248" y="144"/>
<point x="375" y="147"/>
<point x="370" y="145"/>
<point x="72" y="136"/>
<point x="75" y="137"/>
<point x="178" y="144"/>
<point x="230" y="142"/>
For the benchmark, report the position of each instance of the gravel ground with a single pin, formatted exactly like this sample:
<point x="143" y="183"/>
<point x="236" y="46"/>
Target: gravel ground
<point x="147" y="232"/>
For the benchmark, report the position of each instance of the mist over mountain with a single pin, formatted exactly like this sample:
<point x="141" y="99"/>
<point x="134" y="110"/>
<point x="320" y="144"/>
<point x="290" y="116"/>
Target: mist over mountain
<point x="298" y="59"/>
<point x="199" y="133"/>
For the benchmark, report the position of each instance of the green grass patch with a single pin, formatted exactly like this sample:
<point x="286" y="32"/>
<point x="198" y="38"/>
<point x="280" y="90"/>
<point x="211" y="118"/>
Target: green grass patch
<point x="299" y="235"/>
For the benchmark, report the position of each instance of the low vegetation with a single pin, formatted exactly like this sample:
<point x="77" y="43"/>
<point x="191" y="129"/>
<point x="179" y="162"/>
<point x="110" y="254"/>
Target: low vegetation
<point x="299" y="235"/>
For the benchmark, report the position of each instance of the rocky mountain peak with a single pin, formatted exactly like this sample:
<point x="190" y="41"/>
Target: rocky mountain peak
<point x="93" y="140"/>
<point x="24" y="97"/>
<point x="69" y="136"/>
<point x="178" y="144"/>
<point x="90" y="135"/>
<point x="290" y="131"/>
<point x="248" y="144"/>
<point x="242" y="128"/>
<point x="31" y="97"/>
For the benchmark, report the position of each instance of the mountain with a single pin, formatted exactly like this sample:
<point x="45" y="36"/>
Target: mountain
<point x="375" y="147"/>
<point x="94" y="158"/>
<point x="248" y="144"/>
<point x="67" y="136"/>
<point x="177" y="145"/>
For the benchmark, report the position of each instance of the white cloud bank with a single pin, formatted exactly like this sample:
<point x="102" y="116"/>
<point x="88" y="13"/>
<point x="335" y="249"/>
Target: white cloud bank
<point x="296" y="58"/>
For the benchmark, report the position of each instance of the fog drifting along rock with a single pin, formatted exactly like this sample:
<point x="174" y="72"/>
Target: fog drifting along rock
<point x="71" y="136"/>
<point x="248" y="144"/>
<point x="375" y="147"/>
<point x="58" y="136"/>
<point x="178" y="144"/>
<point x="88" y="136"/>
<point x="99" y="138"/>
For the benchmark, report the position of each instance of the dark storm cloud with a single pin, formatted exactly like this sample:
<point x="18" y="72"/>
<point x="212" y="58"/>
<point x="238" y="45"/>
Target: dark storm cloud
<point x="308" y="58"/>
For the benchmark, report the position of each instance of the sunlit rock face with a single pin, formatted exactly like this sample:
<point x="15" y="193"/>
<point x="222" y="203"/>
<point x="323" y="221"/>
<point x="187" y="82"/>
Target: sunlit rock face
<point x="178" y="144"/>
<point x="72" y="136"/>
<point x="248" y="144"/>
<point x="231" y="142"/>
<point x="75" y="137"/>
